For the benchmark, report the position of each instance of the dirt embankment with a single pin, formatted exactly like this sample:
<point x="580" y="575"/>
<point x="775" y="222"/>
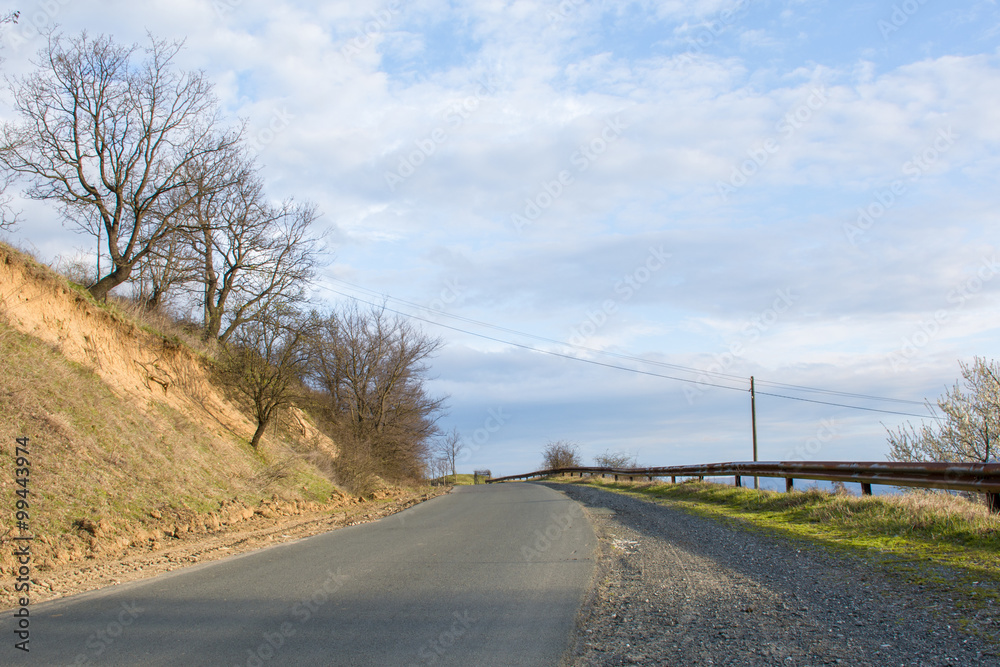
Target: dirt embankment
<point x="137" y="455"/>
<point x="139" y="365"/>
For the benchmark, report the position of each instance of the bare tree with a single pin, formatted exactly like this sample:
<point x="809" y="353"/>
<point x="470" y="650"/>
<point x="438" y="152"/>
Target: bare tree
<point x="560" y="454"/>
<point x="971" y="422"/>
<point x="109" y="137"/>
<point x="373" y="367"/>
<point x="250" y="252"/>
<point x="449" y="448"/>
<point x="169" y="265"/>
<point x="439" y="469"/>
<point x="8" y="218"/>
<point x="175" y="262"/>
<point x="265" y="361"/>
<point x="611" y="459"/>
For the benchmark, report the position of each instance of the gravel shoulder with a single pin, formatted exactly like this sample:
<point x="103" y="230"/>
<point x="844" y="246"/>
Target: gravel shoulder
<point x="675" y="589"/>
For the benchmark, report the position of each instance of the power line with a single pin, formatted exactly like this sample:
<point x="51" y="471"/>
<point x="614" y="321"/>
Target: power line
<point x="686" y="369"/>
<point x="662" y="364"/>
<point x="538" y="349"/>
<point x="841" y="393"/>
<point x="625" y="368"/>
<point x="842" y="405"/>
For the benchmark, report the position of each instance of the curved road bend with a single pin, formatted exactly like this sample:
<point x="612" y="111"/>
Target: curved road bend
<point x="487" y="575"/>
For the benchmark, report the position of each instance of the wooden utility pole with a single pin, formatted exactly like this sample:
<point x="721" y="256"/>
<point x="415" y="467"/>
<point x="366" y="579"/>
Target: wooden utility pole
<point x="753" y="425"/>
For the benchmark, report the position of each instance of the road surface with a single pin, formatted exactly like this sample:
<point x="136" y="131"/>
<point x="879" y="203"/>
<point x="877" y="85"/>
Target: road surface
<point x="486" y="575"/>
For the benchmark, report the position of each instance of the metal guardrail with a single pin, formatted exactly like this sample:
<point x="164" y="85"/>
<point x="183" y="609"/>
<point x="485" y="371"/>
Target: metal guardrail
<point x="976" y="477"/>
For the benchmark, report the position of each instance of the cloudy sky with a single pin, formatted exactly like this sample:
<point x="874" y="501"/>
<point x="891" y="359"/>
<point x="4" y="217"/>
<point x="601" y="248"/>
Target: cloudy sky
<point x="666" y="198"/>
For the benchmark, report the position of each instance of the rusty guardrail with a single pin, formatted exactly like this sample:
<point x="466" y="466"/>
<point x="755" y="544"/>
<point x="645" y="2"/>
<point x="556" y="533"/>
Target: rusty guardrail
<point x="977" y="477"/>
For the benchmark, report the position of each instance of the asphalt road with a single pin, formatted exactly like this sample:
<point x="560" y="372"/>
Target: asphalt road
<point x="486" y="575"/>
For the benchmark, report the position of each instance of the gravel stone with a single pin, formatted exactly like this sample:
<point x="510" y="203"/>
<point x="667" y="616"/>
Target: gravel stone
<point x="677" y="589"/>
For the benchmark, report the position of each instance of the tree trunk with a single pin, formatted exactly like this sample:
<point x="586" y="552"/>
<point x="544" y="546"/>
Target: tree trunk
<point x="255" y="440"/>
<point x="213" y="323"/>
<point x="100" y="289"/>
<point x="153" y="302"/>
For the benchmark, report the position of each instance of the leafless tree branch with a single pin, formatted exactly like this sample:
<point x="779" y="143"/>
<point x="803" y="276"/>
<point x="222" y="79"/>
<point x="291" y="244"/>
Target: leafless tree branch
<point x="107" y="132"/>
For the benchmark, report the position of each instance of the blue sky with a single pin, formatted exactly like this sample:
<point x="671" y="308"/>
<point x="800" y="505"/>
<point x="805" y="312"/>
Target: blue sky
<point x="800" y="191"/>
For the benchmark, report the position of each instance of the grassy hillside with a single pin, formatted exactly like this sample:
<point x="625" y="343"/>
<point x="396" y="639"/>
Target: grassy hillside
<point x="131" y="439"/>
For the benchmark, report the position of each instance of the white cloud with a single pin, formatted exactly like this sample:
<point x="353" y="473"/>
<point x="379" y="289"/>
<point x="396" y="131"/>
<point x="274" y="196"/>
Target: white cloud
<point x="338" y="95"/>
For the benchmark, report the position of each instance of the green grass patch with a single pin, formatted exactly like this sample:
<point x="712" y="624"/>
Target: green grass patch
<point x="456" y="480"/>
<point x="314" y="487"/>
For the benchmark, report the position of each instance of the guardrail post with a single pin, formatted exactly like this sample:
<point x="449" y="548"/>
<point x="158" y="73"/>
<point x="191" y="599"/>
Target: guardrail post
<point x="739" y="482"/>
<point x="789" y="484"/>
<point x="616" y="478"/>
<point x="866" y="489"/>
<point x="673" y="479"/>
<point x="650" y="478"/>
<point x="993" y="502"/>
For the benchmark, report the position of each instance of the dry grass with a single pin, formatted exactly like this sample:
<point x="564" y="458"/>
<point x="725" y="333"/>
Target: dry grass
<point x="95" y="457"/>
<point x="106" y="444"/>
<point x="932" y="527"/>
<point x="917" y="513"/>
<point x="79" y="273"/>
<point x="164" y="324"/>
